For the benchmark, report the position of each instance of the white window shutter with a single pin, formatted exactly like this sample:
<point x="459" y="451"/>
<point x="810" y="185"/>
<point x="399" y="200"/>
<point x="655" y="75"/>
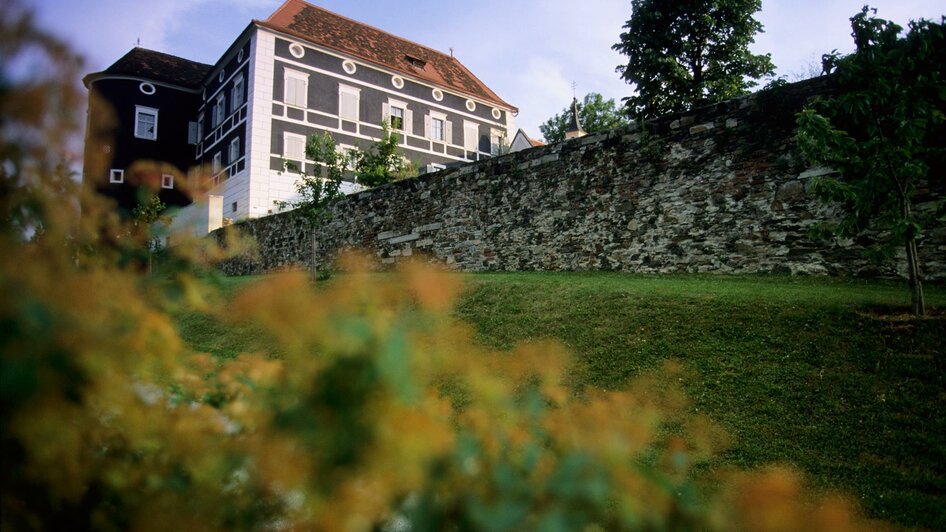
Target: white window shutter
<point x="386" y="111"/>
<point x="192" y="132"/>
<point x="427" y="126"/>
<point x="290" y="91"/>
<point x="448" y="135"/>
<point x="409" y="121"/>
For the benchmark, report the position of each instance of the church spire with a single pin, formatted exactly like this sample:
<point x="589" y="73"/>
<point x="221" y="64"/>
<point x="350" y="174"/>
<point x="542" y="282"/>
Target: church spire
<point x="574" y="128"/>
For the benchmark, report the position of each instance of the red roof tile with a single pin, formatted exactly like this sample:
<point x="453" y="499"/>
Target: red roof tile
<point x="324" y="28"/>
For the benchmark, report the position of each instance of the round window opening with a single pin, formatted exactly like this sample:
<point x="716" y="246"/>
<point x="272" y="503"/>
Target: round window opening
<point x="296" y="50"/>
<point x="437" y="94"/>
<point x="398" y="82"/>
<point x="240" y="56"/>
<point x="220" y="77"/>
<point x="497" y="114"/>
<point x="470" y="105"/>
<point x="349" y="67"/>
<point x="146" y="88"/>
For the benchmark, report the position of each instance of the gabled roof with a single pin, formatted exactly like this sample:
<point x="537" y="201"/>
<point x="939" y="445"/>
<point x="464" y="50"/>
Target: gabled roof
<point x="156" y="66"/>
<point x="574" y="125"/>
<point x="333" y="31"/>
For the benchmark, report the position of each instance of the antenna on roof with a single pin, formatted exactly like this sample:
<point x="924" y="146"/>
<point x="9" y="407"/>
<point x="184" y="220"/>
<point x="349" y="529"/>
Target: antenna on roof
<point x="138" y="42"/>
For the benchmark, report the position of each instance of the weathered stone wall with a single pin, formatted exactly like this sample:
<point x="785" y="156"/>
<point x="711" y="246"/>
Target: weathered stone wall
<point x="720" y="189"/>
<point x="282" y="241"/>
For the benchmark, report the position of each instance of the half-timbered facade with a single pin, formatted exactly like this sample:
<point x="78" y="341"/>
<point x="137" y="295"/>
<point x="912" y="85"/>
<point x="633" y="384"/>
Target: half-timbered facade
<point x="304" y="71"/>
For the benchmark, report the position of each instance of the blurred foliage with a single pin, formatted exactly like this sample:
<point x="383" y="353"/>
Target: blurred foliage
<point x="381" y="412"/>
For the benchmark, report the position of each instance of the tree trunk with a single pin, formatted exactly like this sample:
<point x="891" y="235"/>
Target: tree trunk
<point x="315" y="256"/>
<point x="916" y="284"/>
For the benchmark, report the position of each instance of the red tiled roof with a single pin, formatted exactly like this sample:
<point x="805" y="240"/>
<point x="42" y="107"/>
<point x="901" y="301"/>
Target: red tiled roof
<point x="324" y="28"/>
<point x="536" y="142"/>
<point x="157" y="66"/>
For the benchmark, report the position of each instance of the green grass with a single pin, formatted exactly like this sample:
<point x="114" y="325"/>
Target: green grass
<point x="810" y="372"/>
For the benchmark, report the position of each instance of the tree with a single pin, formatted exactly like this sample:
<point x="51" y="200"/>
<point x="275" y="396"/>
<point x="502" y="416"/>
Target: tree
<point x="595" y="114"/>
<point x="882" y="133"/>
<point x="381" y="162"/>
<point x="145" y="216"/>
<point x="685" y="54"/>
<point x="320" y="188"/>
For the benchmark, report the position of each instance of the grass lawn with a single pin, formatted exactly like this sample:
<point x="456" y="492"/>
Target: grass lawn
<point x="818" y="373"/>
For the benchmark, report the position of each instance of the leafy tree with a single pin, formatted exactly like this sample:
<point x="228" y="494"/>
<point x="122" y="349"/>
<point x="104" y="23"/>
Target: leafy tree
<point x="320" y="188"/>
<point x="685" y="54"/>
<point x="145" y="215"/>
<point x="381" y="162"/>
<point x="595" y="114"/>
<point x="882" y="133"/>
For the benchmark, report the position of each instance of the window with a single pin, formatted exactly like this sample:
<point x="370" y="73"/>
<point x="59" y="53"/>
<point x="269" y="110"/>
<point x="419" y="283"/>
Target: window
<point x="233" y="207"/>
<point x="437" y="127"/>
<point x="200" y="127"/>
<point x="167" y="181"/>
<point x="236" y="95"/>
<point x="234" y="150"/>
<point x="116" y="176"/>
<point x="349" y="67"/>
<point x="220" y="110"/>
<point x="437" y="94"/>
<point x="497" y="114"/>
<point x="293" y="147"/>
<point x="192" y="132"/>
<point x="470" y="105"/>
<point x="296" y="50"/>
<point x="146" y="88"/>
<point x="397" y="118"/>
<point x="348" y="98"/>
<point x="471" y="134"/>
<point x="146" y="123"/>
<point x="495" y="142"/>
<point x="397" y="81"/>
<point x="296" y="88"/>
<point x="217" y="164"/>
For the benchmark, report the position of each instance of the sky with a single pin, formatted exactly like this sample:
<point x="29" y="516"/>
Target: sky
<point x="528" y="52"/>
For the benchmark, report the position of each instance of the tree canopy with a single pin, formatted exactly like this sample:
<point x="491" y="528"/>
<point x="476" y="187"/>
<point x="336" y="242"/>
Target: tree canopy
<point x="685" y="54"/>
<point x="882" y="133"/>
<point x="595" y="114"/>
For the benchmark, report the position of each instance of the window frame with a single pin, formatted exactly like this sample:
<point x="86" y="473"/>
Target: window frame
<point x="285" y="147"/>
<point x="167" y="181"/>
<point x="116" y="172"/>
<point x="350" y="91"/>
<point x="234" y="146"/>
<point x="236" y="96"/>
<point x="220" y="109"/>
<point x="299" y="76"/>
<point x="141" y="110"/>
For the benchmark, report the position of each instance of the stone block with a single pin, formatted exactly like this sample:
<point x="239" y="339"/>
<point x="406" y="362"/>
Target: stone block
<point x="405" y="238"/>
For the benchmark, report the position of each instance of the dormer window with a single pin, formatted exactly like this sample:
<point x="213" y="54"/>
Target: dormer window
<point x="415" y="62"/>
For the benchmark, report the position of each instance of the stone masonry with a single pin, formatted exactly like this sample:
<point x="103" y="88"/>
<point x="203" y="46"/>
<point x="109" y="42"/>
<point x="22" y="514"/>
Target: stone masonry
<point x="720" y="189"/>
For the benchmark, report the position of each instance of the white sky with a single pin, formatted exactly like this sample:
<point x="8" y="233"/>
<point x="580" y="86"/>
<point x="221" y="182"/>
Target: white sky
<point x="528" y="52"/>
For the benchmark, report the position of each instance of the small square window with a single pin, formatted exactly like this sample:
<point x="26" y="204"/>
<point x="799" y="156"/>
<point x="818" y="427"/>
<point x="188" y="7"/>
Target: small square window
<point x="116" y="176"/>
<point x="167" y="181"/>
<point x="146" y="123"/>
<point x="233" y="207"/>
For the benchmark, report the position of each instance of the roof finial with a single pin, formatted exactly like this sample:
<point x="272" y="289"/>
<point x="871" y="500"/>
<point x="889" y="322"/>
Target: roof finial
<point x="574" y="90"/>
<point x="138" y="42"/>
<point x="451" y="51"/>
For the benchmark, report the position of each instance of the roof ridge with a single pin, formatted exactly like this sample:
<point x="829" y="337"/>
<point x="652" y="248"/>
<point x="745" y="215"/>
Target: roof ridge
<point x="349" y="19"/>
<point x="149" y="50"/>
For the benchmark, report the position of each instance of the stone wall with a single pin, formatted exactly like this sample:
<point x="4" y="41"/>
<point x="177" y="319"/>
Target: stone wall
<point x="720" y="189"/>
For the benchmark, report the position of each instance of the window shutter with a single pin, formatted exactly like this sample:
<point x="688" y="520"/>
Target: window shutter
<point x="448" y="131"/>
<point x="291" y="91"/>
<point x="409" y="121"/>
<point x="192" y="132"/>
<point x="427" y="126"/>
<point x="386" y="112"/>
